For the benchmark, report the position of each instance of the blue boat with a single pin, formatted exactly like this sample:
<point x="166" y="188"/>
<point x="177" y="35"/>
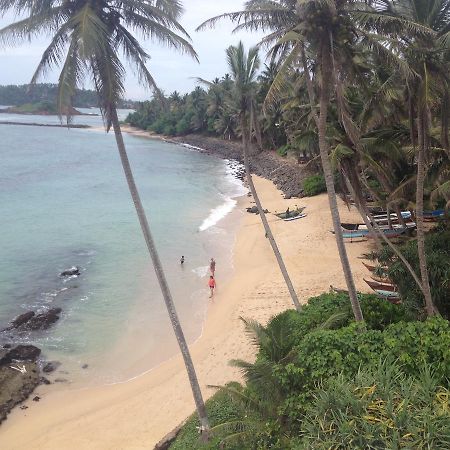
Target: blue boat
<point x="365" y="233"/>
<point x="434" y="215"/>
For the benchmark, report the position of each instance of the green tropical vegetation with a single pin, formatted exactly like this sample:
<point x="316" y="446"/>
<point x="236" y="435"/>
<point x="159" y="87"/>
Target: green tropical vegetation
<point x="359" y="91"/>
<point x="314" y="185"/>
<point x="318" y="377"/>
<point x="17" y="95"/>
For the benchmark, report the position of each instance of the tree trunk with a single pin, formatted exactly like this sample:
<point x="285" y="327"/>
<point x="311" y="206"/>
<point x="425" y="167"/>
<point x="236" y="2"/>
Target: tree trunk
<point x="422" y="145"/>
<point x="267" y="229"/>
<point x="360" y="204"/>
<point x="328" y="174"/>
<point x="200" y="405"/>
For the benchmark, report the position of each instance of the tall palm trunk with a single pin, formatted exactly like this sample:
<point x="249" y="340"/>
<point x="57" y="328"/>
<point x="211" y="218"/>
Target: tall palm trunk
<point x="201" y="410"/>
<point x="329" y="181"/>
<point x="267" y="229"/>
<point x="422" y="128"/>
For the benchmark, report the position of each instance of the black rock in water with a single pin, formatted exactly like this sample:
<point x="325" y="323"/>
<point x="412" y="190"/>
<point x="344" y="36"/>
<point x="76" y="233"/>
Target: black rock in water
<point x="50" y="366"/>
<point x="70" y="272"/>
<point x="42" y="321"/>
<point x="20" y="320"/>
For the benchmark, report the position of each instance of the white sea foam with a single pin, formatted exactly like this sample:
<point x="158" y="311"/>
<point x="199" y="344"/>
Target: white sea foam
<point x="234" y="189"/>
<point x="217" y="213"/>
<point x="201" y="271"/>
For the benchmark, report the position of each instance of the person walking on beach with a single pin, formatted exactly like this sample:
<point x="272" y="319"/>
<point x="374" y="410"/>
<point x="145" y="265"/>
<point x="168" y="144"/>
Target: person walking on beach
<point x="182" y="260"/>
<point x="212" y="285"/>
<point x="212" y="266"/>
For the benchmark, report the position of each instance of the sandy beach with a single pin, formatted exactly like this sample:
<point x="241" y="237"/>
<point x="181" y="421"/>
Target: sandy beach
<point x="138" y="413"/>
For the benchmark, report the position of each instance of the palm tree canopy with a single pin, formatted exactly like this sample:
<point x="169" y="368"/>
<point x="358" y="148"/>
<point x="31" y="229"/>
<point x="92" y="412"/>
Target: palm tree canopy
<point x="87" y="37"/>
<point x="243" y="67"/>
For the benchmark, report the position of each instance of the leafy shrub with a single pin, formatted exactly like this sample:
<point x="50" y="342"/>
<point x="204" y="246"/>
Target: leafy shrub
<point x="379" y="408"/>
<point x="325" y="353"/>
<point x="220" y="408"/>
<point x="283" y="150"/>
<point x="377" y="314"/>
<point x="314" y="185"/>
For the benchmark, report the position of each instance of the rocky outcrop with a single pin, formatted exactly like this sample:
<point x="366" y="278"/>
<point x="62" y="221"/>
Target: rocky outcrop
<point x="20" y="320"/>
<point x="287" y="175"/>
<point x="70" y="272"/>
<point x="30" y="321"/>
<point x="42" y="321"/>
<point x="50" y="366"/>
<point x="19" y="376"/>
<point x="20" y="353"/>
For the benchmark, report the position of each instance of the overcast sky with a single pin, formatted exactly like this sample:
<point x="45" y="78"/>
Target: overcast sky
<point x="171" y="70"/>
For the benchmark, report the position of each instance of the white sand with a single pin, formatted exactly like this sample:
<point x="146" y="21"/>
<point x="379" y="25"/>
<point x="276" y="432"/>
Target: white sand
<point x="137" y="414"/>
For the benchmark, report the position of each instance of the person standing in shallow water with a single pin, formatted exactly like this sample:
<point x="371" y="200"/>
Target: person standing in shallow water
<point x="182" y="260"/>
<point x="212" y="266"/>
<point x="212" y="285"/>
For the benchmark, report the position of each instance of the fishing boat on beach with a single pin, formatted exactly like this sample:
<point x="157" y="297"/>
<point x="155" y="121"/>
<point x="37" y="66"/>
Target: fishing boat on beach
<point x="363" y="226"/>
<point x="291" y="214"/>
<point x="434" y="216"/>
<point x="299" y="216"/>
<point x="359" y="234"/>
<point x="381" y="286"/>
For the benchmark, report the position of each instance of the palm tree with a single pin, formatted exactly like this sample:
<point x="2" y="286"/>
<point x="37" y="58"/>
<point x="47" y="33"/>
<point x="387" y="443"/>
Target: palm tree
<point x="421" y="35"/>
<point x="243" y="67"/>
<point x="291" y="25"/>
<point x="86" y="39"/>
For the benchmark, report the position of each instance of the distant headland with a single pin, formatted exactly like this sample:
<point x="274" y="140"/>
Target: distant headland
<point x="22" y="96"/>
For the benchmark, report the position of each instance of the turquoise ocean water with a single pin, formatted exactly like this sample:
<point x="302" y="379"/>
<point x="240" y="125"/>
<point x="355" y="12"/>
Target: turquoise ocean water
<point x="64" y="202"/>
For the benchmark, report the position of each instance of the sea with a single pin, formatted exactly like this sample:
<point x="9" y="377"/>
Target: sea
<point x="64" y="202"/>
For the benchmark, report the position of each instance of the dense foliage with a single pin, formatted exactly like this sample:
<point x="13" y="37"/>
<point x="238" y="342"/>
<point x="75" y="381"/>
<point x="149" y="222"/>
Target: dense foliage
<point x="319" y="363"/>
<point x="314" y="185"/>
<point x="438" y="263"/>
<point x="16" y="95"/>
<point x="379" y="408"/>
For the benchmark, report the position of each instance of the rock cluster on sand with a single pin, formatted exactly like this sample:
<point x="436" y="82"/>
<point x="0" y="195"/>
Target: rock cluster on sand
<point x="286" y="175"/>
<point x="254" y="210"/>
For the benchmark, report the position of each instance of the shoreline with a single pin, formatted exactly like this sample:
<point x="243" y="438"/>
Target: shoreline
<point x="138" y="413"/>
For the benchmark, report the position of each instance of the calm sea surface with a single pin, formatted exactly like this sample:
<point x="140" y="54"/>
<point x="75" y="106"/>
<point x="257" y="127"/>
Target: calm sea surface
<point x="64" y="201"/>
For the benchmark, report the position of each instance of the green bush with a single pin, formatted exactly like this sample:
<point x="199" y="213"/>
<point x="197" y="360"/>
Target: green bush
<point x="314" y="185"/>
<point x="283" y="150"/>
<point x="380" y="408"/>
<point x="325" y="353"/>
<point x="220" y="408"/>
<point x="300" y="352"/>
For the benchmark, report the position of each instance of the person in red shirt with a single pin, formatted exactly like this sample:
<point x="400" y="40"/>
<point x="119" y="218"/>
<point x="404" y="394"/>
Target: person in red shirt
<point x="212" y="285"/>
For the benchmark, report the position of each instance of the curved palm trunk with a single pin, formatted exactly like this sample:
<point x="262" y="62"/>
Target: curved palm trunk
<point x="201" y="410"/>
<point x="267" y="229"/>
<point x="328" y="174"/>
<point x="423" y="142"/>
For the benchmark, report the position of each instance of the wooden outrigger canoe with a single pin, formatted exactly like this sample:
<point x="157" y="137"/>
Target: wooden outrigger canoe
<point x="377" y="285"/>
<point x="292" y="214"/>
<point x="369" y="266"/>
